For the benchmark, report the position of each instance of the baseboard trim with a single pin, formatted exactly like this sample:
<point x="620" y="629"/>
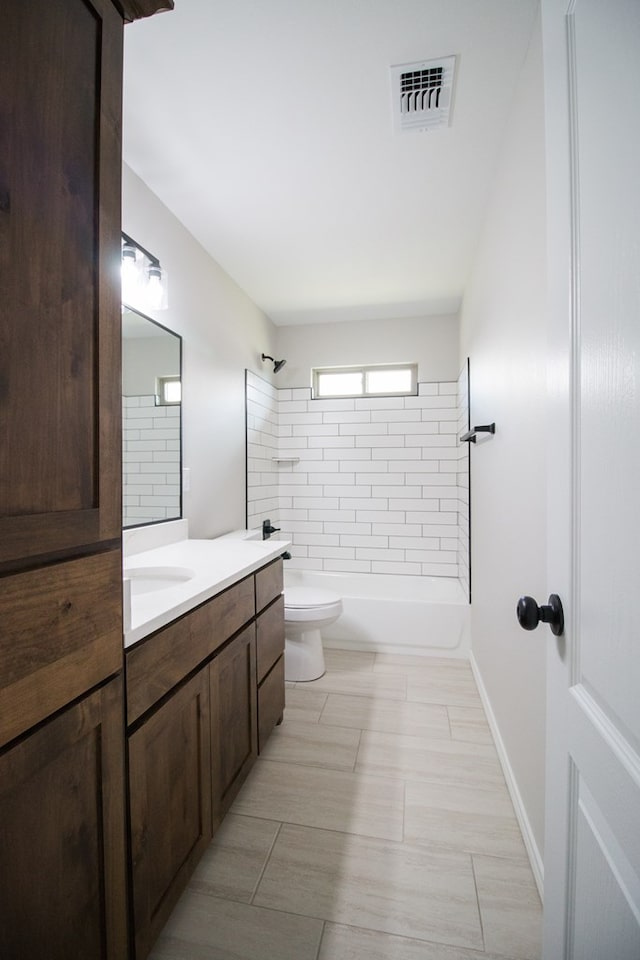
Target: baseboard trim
<point x="533" y="852"/>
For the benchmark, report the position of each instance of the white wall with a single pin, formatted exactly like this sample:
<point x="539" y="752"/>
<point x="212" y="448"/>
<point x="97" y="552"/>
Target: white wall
<point x="224" y="333"/>
<point x="144" y="359"/>
<point x="432" y="342"/>
<point x="503" y="332"/>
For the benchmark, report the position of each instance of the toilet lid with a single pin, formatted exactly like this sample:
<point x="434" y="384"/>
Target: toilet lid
<point x="308" y="597"/>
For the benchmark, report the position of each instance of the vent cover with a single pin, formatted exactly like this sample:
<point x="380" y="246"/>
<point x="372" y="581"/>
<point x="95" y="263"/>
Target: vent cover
<point x="422" y="94"/>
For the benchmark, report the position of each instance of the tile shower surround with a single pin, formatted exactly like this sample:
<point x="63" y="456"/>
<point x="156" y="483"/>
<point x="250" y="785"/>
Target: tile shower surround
<point x="151" y="460"/>
<point x="373" y="485"/>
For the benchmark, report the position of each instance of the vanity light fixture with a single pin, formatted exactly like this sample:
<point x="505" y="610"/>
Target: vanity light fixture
<point x="277" y="364"/>
<point x="130" y="272"/>
<point x="144" y="282"/>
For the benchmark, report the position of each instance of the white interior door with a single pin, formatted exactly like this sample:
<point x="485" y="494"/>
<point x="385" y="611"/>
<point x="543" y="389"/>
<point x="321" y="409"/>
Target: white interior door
<point x="592" y="848"/>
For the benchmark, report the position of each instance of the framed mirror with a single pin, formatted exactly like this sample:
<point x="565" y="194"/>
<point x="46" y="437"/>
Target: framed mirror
<point x="151" y="421"/>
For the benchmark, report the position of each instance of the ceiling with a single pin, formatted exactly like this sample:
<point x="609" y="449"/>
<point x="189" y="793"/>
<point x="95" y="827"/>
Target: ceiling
<point x="266" y="127"/>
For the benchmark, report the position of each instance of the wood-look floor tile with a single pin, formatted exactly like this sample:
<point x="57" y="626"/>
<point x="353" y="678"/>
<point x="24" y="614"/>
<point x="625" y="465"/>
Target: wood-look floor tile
<point x="362" y="684"/>
<point x="470" y="724"/>
<point x="328" y="799"/>
<point x="205" y="928"/>
<point x="349" y="661"/>
<point x="432" y="679"/>
<point x="414" y="758"/>
<point x="456" y="817"/>
<point x="353" y="943"/>
<point x="303" y="705"/>
<point x="457" y="689"/>
<point x="510" y="907"/>
<point x="313" y="744"/>
<point x="436" y="667"/>
<point x="377" y="884"/>
<point x="390" y="716"/>
<point x="233" y="862"/>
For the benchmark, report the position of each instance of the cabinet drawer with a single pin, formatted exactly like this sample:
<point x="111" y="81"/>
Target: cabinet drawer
<point x="61" y="635"/>
<point x="270" y="637"/>
<point x="270" y="702"/>
<point x="161" y="661"/>
<point x="214" y="622"/>
<point x="269" y="584"/>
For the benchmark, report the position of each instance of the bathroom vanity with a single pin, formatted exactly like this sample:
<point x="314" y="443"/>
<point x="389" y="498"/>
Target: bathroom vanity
<point x="203" y="693"/>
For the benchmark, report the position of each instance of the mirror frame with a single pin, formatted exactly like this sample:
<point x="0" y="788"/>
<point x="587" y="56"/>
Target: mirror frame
<point x="178" y="337"/>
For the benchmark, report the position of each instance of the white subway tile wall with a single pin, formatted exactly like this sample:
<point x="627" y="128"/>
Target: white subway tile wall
<point x="151" y="461"/>
<point x="462" y="483"/>
<point x="371" y="484"/>
<point x="263" y="494"/>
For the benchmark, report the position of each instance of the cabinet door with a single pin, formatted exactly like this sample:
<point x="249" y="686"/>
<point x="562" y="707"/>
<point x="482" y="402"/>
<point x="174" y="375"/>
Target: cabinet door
<point x="234" y="741"/>
<point x="62" y="836"/>
<point x="170" y="804"/>
<point x="60" y="159"/>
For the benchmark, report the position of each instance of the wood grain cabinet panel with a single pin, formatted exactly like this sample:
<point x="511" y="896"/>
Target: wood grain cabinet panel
<point x="163" y="659"/>
<point x="234" y="741"/>
<point x="60" y="161"/>
<point x="170" y="804"/>
<point x="270" y="702"/>
<point x="270" y="637"/>
<point x="61" y="635"/>
<point x="269" y="583"/>
<point x="62" y="836"/>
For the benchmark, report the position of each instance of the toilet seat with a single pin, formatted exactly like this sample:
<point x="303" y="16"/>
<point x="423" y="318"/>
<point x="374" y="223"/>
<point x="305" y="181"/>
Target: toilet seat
<point x="308" y="597"/>
<point x="308" y="603"/>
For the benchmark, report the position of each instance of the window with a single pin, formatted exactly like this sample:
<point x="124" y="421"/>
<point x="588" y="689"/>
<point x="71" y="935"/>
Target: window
<point x="384" y="380"/>
<point x="168" y="391"/>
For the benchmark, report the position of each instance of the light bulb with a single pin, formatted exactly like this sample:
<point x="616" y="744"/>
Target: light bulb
<point x="154" y="290"/>
<point x="130" y="273"/>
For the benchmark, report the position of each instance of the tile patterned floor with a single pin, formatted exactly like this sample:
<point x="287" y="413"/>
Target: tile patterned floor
<point x="375" y="826"/>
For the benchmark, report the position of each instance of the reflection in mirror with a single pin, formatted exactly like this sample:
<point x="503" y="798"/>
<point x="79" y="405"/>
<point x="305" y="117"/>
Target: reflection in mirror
<point x="151" y="421"/>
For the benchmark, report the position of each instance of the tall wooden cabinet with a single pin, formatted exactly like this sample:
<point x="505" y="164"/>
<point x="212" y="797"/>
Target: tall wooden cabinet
<point x="62" y="850"/>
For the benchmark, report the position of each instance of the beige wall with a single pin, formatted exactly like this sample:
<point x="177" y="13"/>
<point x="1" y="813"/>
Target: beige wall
<point x="224" y="333"/>
<point x="503" y="333"/>
<point x="431" y="341"/>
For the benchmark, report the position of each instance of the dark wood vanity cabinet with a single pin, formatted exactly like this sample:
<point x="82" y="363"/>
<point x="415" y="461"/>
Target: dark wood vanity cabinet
<point x="200" y="693"/>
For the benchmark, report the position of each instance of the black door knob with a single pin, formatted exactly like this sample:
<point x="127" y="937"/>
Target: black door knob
<point x="530" y="614"/>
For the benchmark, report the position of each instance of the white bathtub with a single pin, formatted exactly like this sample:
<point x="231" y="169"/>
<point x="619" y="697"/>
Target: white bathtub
<point x="389" y="613"/>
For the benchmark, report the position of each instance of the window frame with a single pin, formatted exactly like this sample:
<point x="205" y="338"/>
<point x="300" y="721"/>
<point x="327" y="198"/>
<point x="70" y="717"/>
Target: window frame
<point x="161" y="395"/>
<point x="364" y="369"/>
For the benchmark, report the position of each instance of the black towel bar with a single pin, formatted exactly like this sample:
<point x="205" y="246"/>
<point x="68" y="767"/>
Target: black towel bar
<point x="470" y="437"/>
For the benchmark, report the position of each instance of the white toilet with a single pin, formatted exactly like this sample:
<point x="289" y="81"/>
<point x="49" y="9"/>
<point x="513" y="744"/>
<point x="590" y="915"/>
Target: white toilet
<point x="306" y="611"/>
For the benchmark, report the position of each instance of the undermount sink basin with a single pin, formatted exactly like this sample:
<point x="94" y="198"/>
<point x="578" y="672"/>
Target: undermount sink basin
<point x="150" y="579"/>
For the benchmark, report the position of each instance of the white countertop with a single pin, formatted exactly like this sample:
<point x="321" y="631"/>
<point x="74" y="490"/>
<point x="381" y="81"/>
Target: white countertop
<point x="216" y="564"/>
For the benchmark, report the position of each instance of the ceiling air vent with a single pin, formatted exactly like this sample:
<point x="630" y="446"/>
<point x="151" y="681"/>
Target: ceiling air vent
<point x="422" y="94"/>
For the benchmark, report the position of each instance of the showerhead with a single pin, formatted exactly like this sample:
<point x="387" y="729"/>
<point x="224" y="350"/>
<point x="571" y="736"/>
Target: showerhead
<point x="277" y="364"/>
